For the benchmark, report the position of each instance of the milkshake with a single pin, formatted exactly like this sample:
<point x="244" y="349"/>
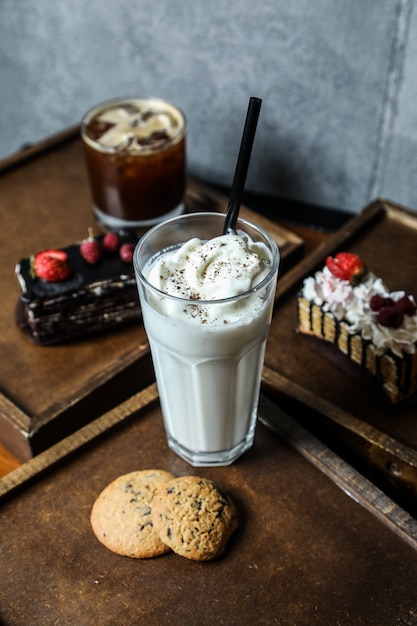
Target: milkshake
<point x="206" y="302"/>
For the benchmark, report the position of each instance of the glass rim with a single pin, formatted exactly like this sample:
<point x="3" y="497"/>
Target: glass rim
<point x="89" y="114"/>
<point x="273" y="248"/>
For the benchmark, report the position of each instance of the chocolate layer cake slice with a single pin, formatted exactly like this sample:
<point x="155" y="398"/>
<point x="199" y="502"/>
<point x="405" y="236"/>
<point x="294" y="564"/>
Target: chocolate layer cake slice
<point x="68" y="297"/>
<point x="354" y="311"/>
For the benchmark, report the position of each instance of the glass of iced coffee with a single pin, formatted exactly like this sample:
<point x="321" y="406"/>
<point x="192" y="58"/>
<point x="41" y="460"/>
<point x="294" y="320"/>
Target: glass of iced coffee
<point x="207" y="302"/>
<point x="136" y="161"/>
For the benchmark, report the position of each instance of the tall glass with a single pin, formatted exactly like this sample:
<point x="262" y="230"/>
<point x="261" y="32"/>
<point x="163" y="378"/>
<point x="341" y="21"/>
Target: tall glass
<point x="136" y="162"/>
<point x="208" y="375"/>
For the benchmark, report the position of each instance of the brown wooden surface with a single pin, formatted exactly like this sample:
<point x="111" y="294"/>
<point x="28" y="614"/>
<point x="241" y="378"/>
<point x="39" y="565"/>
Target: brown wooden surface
<point x="311" y="238"/>
<point x="328" y="396"/>
<point x="44" y="205"/>
<point x="385" y="237"/>
<point x="304" y="553"/>
<point x="48" y="392"/>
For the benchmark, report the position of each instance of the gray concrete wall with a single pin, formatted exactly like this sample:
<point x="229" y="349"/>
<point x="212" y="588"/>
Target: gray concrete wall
<point x="338" y="125"/>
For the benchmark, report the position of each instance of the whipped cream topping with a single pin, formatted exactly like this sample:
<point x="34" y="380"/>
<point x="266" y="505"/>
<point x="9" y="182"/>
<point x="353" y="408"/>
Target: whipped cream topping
<point x="203" y="271"/>
<point x="352" y="304"/>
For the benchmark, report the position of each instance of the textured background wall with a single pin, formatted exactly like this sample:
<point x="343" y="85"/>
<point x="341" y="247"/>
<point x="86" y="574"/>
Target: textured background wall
<point x="338" y="124"/>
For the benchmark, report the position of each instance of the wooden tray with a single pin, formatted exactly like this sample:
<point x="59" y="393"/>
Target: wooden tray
<point x="304" y="553"/>
<point x="345" y="413"/>
<point x="48" y="392"/>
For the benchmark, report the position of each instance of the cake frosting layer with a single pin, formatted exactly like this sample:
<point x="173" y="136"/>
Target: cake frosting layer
<point x="353" y="304"/>
<point x="93" y="299"/>
<point x="372" y="326"/>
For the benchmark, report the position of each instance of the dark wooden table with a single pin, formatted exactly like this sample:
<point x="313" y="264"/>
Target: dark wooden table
<point x="319" y="542"/>
<point x="312" y="237"/>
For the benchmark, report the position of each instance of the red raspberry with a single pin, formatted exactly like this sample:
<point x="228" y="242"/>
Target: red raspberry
<point x="390" y="317"/>
<point x="51" y="265"/>
<point x="378" y="302"/>
<point x="126" y="252"/>
<point x="406" y="306"/>
<point x="111" y="243"/>
<point x="90" y="249"/>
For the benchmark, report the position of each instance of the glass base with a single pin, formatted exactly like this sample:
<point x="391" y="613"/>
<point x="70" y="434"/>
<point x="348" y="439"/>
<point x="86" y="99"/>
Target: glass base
<point x="111" y="223"/>
<point x="211" y="459"/>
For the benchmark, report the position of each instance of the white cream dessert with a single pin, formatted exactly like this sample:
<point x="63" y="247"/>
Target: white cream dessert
<point x="221" y="268"/>
<point x="208" y="338"/>
<point x="354" y="310"/>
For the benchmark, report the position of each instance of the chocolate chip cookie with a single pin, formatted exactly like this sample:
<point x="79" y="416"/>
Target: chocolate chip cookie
<point x="193" y="517"/>
<point x="121" y="515"/>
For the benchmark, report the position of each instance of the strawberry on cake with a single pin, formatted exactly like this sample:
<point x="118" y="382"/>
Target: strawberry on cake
<point x="82" y="289"/>
<point x="352" y="309"/>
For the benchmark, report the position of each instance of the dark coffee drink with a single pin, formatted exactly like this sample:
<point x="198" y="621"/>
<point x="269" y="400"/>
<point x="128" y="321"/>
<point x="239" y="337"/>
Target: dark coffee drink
<point x="135" y="155"/>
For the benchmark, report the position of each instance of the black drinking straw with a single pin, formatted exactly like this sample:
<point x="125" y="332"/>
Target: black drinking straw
<point x="242" y="165"/>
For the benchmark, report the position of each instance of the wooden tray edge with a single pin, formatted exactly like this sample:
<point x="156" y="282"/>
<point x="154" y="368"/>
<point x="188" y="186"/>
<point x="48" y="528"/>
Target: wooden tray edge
<point x="33" y="150"/>
<point x="378" y="209"/>
<point x="390" y="461"/>
<point x="387" y="450"/>
<point x="345" y="477"/>
<point x="352" y="482"/>
<point x="49" y="458"/>
<point x="95" y="382"/>
<point x="288" y="242"/>
<point x="314" y="259"/>
<point x="20" y="428"/>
